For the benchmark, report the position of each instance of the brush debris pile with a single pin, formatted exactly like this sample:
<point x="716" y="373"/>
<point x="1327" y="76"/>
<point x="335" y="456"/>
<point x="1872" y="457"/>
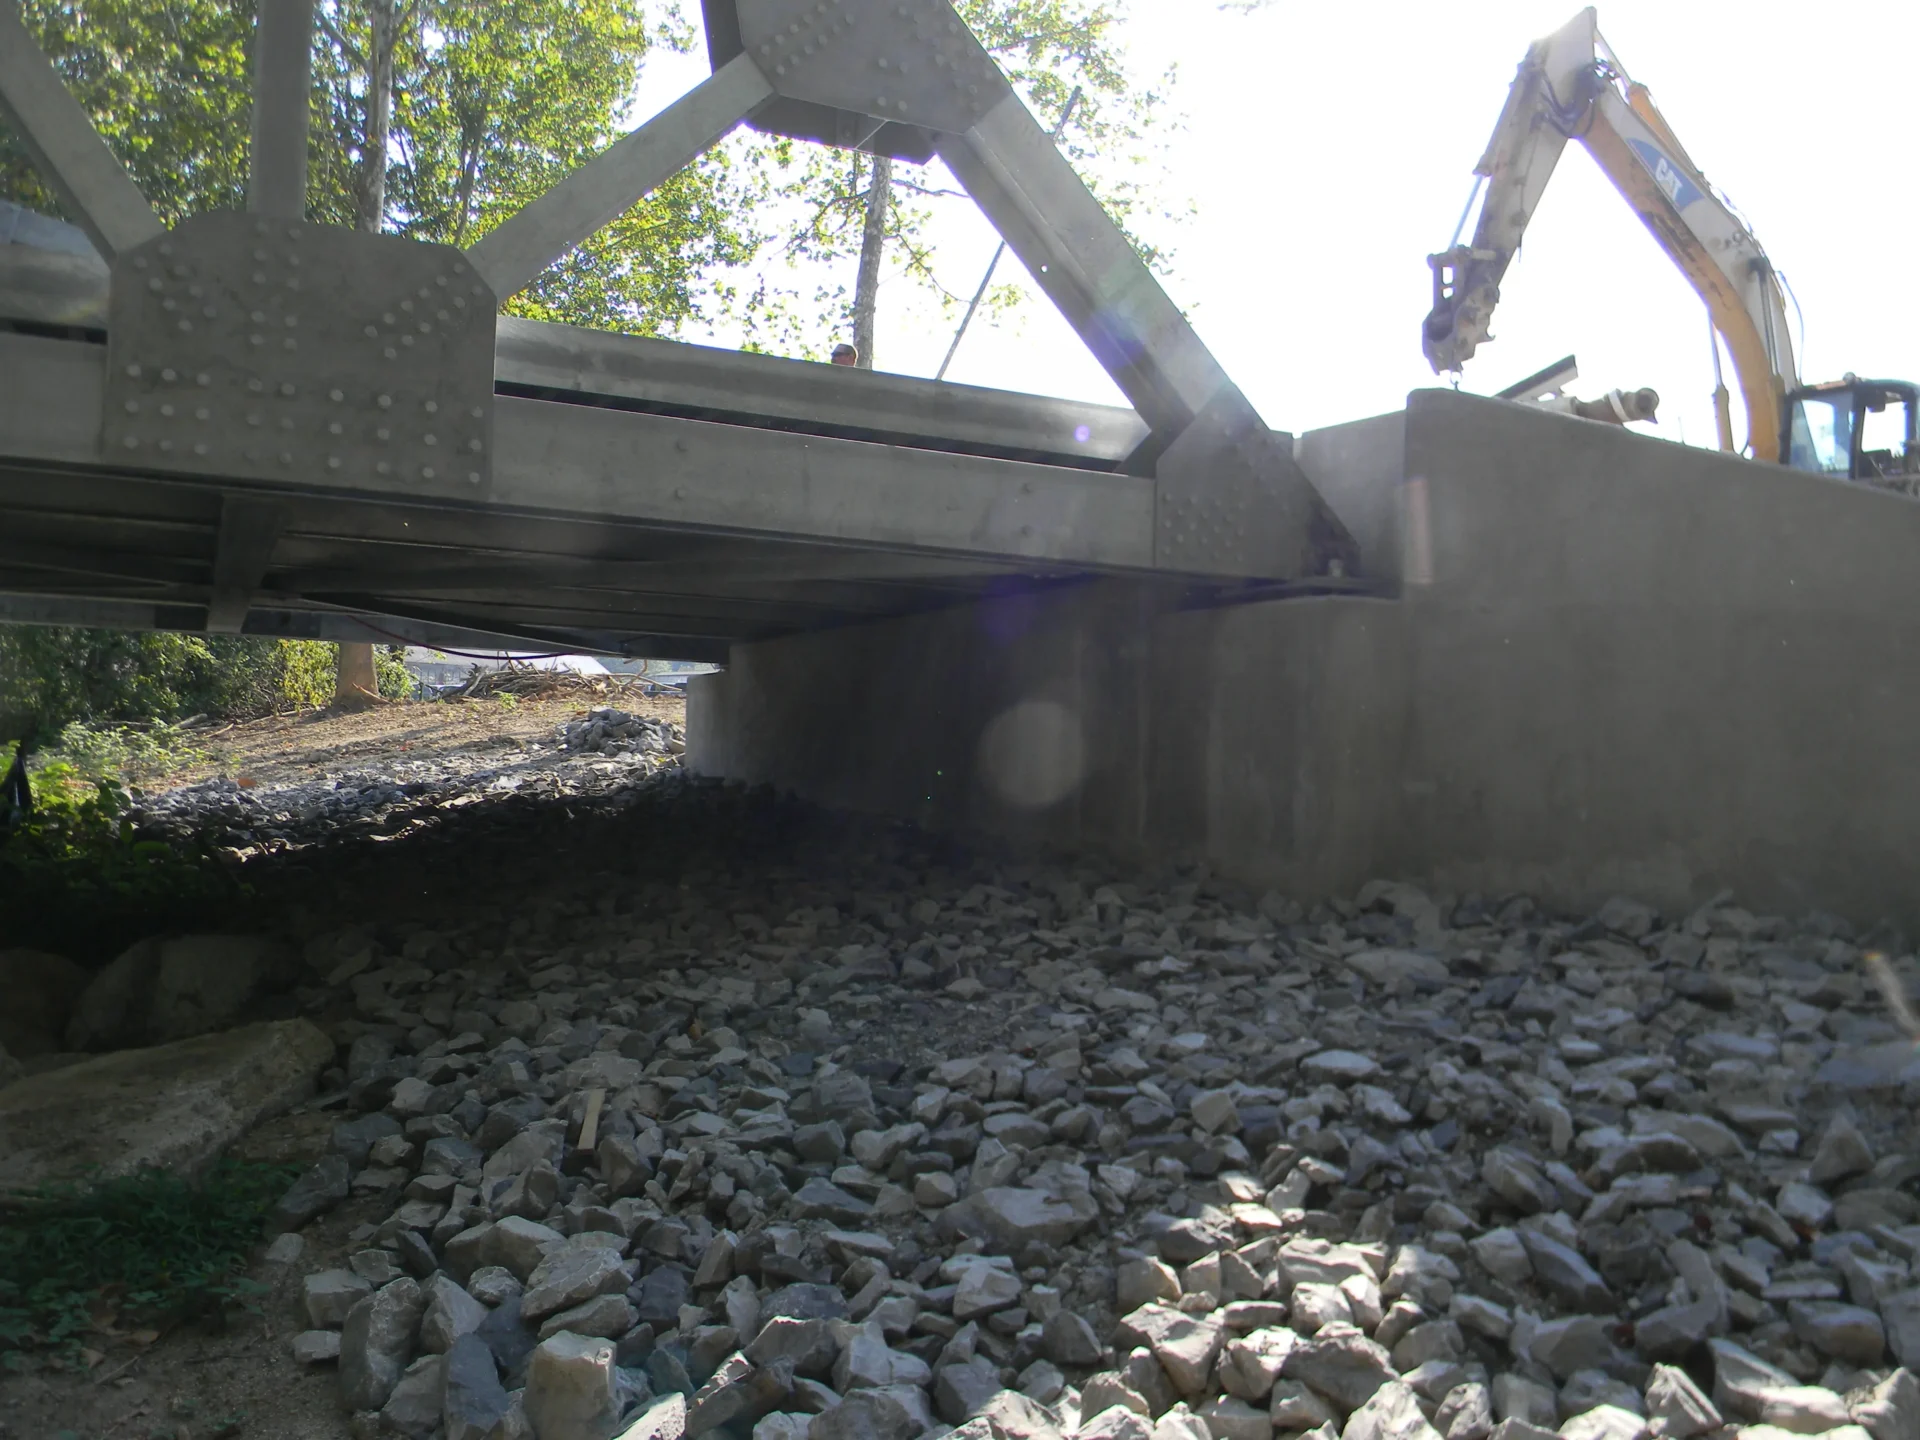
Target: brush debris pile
<point x="526" y="682"/>
<point x="1033" y="1154"/>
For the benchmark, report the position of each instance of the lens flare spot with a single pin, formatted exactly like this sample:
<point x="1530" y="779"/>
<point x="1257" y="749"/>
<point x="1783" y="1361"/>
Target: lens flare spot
<point x="1033" y="754"/>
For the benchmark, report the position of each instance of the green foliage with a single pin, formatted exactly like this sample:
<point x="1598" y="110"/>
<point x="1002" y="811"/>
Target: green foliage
<point x="52" y="677"/>
<point x="124" y="752"/>
<point x="1048" y="49"/>
<point x="391" y="673"/>
<point x="305" y="680"/>
<point x="167" y="87"/>
<point x="74" y="877"/>
<point x="495" y="100"/>
<point x="145" y="1250"/>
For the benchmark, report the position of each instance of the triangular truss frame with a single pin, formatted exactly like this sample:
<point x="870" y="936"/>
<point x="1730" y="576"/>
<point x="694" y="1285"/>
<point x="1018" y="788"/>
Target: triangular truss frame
<point x="901" y="77"/>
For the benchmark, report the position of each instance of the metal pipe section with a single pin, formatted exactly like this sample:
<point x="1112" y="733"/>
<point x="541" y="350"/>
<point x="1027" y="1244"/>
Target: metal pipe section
<point x="1619" y="407"/>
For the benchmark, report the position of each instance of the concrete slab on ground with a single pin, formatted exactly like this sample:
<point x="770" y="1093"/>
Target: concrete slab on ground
<point x="173" y="1107"/>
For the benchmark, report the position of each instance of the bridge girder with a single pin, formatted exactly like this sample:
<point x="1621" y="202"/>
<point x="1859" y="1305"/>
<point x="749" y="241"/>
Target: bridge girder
<point x="264" y="377"/>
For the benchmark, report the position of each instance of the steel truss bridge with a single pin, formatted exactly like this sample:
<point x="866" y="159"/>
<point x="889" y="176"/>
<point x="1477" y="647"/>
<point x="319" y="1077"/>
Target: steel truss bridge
<point x="249" y="422"/>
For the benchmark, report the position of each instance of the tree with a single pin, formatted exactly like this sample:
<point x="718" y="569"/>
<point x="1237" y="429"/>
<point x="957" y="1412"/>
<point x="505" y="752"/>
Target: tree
<point x="168" y="88"/>
<point x="441" y="117"/>
<point x="873" y="241"/>
<point x="494" y="101"/>
<point x="385" y="23"/>
<point x="438" y="117"/>
<point x="863" y="206"/>
<point x="50" y="677"/>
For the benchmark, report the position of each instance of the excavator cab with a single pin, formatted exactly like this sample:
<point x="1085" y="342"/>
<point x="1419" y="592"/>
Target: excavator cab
<point x="1856" y="429"/>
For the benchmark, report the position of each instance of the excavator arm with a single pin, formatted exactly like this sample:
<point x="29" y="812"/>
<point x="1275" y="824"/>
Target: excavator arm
<point x="1571" y="87"/>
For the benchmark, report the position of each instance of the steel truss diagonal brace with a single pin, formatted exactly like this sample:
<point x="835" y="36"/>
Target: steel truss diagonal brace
<point x="1076" y="254"/>
<point x="68" y="152"/>
<point x="282" y="80"/>
<point x="513" y="254"/>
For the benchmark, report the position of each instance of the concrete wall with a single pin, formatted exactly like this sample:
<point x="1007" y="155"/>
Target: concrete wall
<point x="1025" y="716"/>
<point x="1657" y="670"/>
<point x="1604" y="663"/>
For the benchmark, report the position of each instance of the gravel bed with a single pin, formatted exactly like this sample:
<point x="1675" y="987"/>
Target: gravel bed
<point x="871" y="1148"/>
<point x="593" y="757"/>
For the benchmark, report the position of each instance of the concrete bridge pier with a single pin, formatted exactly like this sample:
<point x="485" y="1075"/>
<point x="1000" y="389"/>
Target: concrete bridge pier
<point x="1599" y="663"/>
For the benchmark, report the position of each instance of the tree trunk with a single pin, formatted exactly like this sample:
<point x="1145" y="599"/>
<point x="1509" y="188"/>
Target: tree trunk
<point x="463" y="192"/>
<point x="373" y="152"/>
<point x="873" y="244"/>
<point x="355" y="680"/>
<point x="355" y="684"/>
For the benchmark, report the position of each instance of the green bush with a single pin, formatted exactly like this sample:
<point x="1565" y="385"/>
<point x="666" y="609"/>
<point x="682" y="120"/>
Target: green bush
<point x="74" y="878"/>
<point x="306" y="673"/>
<point x="102" y="707"/>
<point x="145" y="1250"/>
<point x="51" y="677"/>
<point x="390" y="670"/>
<point x="123" y="752"/>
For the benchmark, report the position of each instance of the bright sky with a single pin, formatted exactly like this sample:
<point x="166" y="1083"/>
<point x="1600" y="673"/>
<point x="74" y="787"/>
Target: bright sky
<point x="1328" y="149"/>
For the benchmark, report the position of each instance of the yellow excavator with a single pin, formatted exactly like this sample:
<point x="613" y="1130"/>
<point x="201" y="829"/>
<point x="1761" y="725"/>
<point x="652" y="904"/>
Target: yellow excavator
<point x="1571" y="86"/>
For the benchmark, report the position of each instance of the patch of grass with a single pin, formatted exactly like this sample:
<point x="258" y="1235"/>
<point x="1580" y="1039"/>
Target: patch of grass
<point x="79" y="1263"/>
<point x="75" y="878"/>
<point x="129" y="753"/>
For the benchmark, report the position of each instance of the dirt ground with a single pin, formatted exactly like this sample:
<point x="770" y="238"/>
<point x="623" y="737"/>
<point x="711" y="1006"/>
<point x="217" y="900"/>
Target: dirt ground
<point x="229" y="1376"/>
<point x="235" y="1376"/>
<point x="285" y="749"/>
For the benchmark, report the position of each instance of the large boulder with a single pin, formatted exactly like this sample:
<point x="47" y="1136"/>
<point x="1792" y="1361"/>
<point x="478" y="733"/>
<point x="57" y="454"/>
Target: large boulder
<point x="161" y="990"/>
<point x="172" y="1107"/>
<point x="376" y="1341"/>
<point x="472" y="1400"/>
<point x="1011" y="1217"/>
<point x="205" y="981"/>
<point x="112" y="1012"/>
<point x="41" y="990"/>
<point x="570" y="1392"/>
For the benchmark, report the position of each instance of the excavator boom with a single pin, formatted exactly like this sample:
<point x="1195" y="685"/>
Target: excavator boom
<point x="1571" y="87"/>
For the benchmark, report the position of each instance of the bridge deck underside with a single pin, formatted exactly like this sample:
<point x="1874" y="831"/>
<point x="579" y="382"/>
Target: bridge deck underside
<point x="647" y="498"/>
<point x="88" y="538"/>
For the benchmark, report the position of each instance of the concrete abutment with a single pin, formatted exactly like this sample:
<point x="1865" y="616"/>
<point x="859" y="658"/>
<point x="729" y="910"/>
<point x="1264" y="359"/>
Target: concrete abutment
<point x="1602" y="663"/>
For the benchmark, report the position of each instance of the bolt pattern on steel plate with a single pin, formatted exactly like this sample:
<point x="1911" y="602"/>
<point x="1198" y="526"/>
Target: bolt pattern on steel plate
<point x="307" y="353"/>
<point x="1226" y="492"/>
<point x="913" y="61"/>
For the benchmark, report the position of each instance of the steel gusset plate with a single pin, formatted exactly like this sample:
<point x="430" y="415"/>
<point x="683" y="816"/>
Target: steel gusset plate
<point x="911" y="62"/>
<point x="310" y="354"/>
<point x="1229" y="500"/>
